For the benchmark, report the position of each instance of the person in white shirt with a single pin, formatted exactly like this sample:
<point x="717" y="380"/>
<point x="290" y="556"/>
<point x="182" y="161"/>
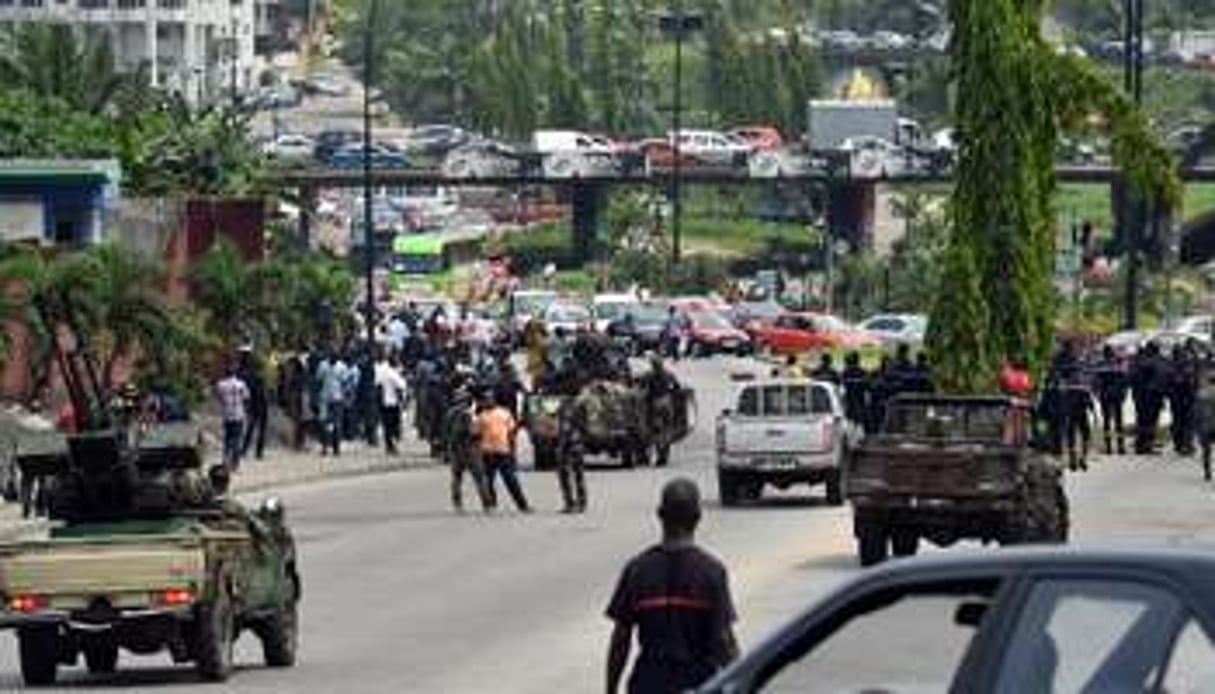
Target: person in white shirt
<point x="397" y="332"/>
<point x="393" y="391"/>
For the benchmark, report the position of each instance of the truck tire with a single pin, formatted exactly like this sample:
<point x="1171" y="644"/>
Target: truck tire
<point x="214" y="638"/>
<point x="904" y="544"/>
<point x="727" y="489"/>
<point x="38" y="648"/>
<point x="280" y="635"/>
<point x="835" y="489"/>
<point x="101" y="658"/>
<point x="871" y="545"/>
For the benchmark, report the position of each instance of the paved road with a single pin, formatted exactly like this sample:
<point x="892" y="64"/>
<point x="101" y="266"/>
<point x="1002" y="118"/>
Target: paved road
<point x="401" y="595"/>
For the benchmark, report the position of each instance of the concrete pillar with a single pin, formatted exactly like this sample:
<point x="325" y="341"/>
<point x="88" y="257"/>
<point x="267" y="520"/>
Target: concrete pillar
<point x="194" y="68"/>
<point x="307" y="201"/>
<point x="587" y="201"/>
<point x="852" y="209"/>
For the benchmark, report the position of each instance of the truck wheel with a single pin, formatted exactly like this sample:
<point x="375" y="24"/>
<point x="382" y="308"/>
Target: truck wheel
<point x="39" y="652"/>
<point x="101" y="658"/>
<point x="871" y="545"/>
<point x="280" y="635"/>
<point x="835" y="490"/>
<point x="727" y="489"/>
<point x="214" y="638"/>
<point x="904" y="544"/>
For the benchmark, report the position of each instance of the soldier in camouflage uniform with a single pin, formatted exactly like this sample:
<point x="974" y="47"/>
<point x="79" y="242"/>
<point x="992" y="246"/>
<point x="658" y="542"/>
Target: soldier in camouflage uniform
<point x="571" y="473"/>
<point x="460" y="438"/>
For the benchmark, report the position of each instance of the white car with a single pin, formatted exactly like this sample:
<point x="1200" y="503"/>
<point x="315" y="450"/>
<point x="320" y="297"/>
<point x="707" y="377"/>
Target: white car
<point x="897" y="328"/>
<point x="782" y="432"/>
<point x="573" y="154"/>
<point x="526" y="304"/>
<point x="567" y="317"/>
<point x="714" y="148"/>
<point x="875" y="157"/>
<point x="290" y="147"/>
<point x="610" y="307"/>
<point x="1199" y="326"/>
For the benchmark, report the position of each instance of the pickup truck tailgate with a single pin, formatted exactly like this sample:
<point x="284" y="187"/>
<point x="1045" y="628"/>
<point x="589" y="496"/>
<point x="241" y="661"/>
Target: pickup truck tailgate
<point x="803" y="434"/>
<point x="84" y="568"/>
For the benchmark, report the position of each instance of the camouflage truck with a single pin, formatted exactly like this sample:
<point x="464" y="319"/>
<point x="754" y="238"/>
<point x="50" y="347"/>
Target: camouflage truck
<point x="943" y="469"/>
<point x="142" y="552"/>
<point x="614" y="419"/>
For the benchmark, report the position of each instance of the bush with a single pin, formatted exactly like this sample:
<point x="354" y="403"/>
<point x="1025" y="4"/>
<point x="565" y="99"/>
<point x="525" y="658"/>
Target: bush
<point x="698" y="274"/>
<point x="531" y="249"/>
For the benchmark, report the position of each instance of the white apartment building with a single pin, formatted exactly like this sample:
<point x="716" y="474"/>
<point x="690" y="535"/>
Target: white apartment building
<point x="200" y="48"/>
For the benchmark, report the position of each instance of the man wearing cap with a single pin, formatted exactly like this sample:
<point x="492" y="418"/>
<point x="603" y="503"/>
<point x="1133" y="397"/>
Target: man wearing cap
<point x="677" y="597"/>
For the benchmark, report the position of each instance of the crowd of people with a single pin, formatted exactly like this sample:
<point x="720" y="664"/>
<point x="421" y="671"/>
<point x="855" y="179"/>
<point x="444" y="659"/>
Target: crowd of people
<point x="466" y="398"/>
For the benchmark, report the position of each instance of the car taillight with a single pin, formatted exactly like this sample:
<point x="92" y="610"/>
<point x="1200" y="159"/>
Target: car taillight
<point x="174" y="597"/>
<point x="26" y="603"/>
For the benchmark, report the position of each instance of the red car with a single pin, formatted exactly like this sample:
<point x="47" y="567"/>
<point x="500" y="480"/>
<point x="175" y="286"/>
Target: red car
<point x="711" y="333"/>
<point x="795" y="333"/>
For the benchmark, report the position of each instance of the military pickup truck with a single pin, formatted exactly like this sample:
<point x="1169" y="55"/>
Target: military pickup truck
<point x="943" y="469"/>
<point x="144" y="553"/>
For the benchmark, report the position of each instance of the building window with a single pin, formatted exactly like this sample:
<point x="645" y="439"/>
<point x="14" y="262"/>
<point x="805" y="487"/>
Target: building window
<point x="31" y="3"/>
<point x="93" y="4"/>
<point x="131" y="4"/>
<point x="171" y="4"/>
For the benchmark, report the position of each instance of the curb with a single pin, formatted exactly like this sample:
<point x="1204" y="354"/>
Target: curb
<point x="333" y="473"/>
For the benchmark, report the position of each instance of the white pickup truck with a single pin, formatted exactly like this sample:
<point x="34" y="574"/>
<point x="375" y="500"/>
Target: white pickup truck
<point x="782" y="432"/>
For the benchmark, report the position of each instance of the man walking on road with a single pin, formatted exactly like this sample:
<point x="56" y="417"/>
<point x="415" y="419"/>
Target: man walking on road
<point x="498" y="429"/>
<point x="233" y="396"/>
<point x="392" y="391"/>
<point x="677" y="597"/>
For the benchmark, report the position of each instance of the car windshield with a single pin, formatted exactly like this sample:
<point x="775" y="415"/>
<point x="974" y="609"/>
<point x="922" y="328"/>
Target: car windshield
<point x="568" y="313"/>
<point x="611" y="310"/>
<point x="709" y="320"/>
<point x="957" y="421"/>
<point x="649" y="313"/>
<point x="531" y="304"/>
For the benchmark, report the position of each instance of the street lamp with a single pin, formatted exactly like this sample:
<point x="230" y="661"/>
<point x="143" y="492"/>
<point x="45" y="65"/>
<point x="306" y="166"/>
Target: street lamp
<point x="678" y="24"/>
<point x="1134" y="210"/>
<point x="368" y="208"/>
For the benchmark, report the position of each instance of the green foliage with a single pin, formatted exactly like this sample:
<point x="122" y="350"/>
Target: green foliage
<point x="1015" y="95"/>
<point x="697" y="274"/>
<point x="957" y="339"/>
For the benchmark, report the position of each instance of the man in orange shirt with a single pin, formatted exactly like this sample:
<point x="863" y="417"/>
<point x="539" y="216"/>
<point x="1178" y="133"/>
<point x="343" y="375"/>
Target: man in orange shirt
<point x="498" y="429"/>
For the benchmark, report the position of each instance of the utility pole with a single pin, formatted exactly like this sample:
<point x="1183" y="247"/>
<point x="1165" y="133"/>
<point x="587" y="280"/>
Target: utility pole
<point x="679" y="23"/>
<point x="368" y="208"/>
<point x="1133" y="207"/>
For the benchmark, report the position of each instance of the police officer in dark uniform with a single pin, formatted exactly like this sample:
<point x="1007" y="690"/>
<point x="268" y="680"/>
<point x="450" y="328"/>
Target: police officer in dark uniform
<point x="1070" y="402"/>
<point x="856" y="389"/>
<point x="882" y="387"/>
<point x="1183" y="398"/>
<point x="826" y="371"/>
<point x="1148" y="378"/>
<point x="660" y="388"/>
<point x="1111" y="382"/>
<point x="460" y="439"/>
<point x="677" y="597"/>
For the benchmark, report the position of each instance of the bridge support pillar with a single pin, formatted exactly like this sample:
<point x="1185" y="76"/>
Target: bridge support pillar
<point x="308" y="203"/>
<point x="587" y="201"/>
<point x="851" y="212"/>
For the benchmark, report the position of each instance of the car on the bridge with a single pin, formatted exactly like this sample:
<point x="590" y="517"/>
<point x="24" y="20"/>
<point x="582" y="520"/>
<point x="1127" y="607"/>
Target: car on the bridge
<point x="875" y="157"/>
<point x="781" y="433"/>
<point x="383" y="156"/>
<point x="699" y="149"/>
<point x="435" y="140"/>
<point x="1010" y="622"/>
<point x="759" y="137"/>
<point x="574" y="154"/>
<point x="488" y="159"/>
<point x="330" y="141"/>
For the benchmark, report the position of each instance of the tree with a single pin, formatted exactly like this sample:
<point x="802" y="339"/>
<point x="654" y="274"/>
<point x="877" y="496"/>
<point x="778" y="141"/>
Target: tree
<point x="1015" y="95"/>
<point x="48" y="60"/>
<point x="224" y="289"/>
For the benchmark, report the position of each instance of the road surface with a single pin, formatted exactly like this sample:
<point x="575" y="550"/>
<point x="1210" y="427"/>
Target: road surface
<point x="402" y="595"/>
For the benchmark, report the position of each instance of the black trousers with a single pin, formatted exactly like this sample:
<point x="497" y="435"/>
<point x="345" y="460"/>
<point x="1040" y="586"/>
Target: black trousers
<point x="1181" y="409"/>
<point x="255" y="432"/>
<point x="1112" y="424"/>
<point x="390" y="417"/>
<point x="1147" y="419"/>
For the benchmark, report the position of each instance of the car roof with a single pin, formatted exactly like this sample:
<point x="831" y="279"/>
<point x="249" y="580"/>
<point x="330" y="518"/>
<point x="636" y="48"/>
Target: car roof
<point x="1191" y="565"/>
<point x="790" y="381"/>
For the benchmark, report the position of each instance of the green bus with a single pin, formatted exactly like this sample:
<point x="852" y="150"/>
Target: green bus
<point x="417" y="257"/>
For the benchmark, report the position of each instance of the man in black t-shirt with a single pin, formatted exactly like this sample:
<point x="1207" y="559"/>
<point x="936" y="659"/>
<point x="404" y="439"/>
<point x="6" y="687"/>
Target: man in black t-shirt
<point x="677" y="597"/>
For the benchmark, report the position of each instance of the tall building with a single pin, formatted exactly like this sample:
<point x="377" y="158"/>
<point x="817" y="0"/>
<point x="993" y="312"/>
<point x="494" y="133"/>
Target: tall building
<point x="200" y="48"/>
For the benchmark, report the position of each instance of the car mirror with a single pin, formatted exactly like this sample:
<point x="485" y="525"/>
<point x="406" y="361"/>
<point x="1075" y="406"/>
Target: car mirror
<point x="726" y="413"/>
<point x="272" y="510"/>
<point x="970" y="614"/>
